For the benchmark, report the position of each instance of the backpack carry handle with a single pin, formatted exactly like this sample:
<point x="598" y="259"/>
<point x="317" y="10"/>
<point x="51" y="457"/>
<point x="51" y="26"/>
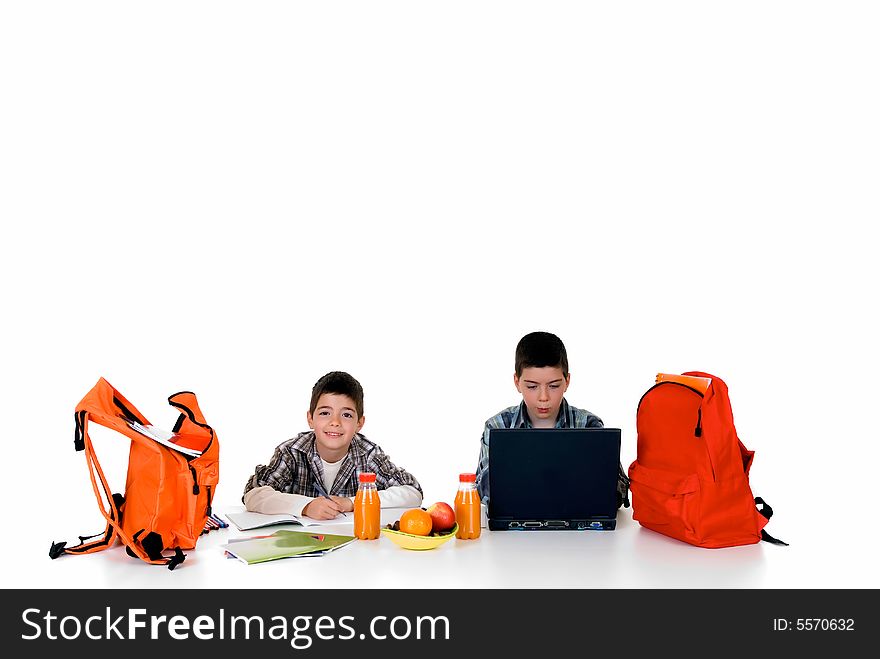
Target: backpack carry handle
<point x="191" y="420"/>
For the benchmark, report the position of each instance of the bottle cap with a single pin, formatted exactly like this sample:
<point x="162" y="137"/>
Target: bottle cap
<point x="467" y="478"/>
<point x="367" y="477"/>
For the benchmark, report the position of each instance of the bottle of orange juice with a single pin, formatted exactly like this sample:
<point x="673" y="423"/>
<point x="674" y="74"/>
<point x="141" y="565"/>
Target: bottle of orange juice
<point x="467" y="508"/>
<point x="366" y="507"/>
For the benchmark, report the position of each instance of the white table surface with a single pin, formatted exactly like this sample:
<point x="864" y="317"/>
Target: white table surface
<point x="628" y="557"/>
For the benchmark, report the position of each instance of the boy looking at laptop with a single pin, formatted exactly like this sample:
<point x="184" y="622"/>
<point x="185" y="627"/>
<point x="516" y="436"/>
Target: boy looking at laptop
<point x="316" y="473"/>
<point x="541" y="376"/>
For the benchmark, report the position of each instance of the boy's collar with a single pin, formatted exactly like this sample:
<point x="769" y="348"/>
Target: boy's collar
<point x="522" y="420"/>
<point x="307" y="444"/>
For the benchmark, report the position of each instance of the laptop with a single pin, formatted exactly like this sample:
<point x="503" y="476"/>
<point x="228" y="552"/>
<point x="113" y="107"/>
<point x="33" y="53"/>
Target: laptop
<point x="553" y="478"/>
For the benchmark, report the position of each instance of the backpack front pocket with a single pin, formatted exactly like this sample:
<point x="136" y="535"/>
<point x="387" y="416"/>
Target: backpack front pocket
<point x="665" y="501"/>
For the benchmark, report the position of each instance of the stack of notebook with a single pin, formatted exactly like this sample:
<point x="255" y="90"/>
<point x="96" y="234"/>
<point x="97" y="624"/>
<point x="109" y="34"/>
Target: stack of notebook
<point x="284" y="544"/>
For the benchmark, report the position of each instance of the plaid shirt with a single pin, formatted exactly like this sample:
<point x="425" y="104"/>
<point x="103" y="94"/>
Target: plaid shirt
<point x="295" y="468"/>
<point x="518" y="417"/>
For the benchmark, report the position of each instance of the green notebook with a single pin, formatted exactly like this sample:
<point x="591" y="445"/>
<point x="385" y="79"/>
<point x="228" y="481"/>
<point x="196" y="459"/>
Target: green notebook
<point x="285" y="544"/>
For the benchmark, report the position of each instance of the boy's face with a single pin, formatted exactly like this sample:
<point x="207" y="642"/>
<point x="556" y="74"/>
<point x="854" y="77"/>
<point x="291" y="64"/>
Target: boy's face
<point x="335" y="422"/>
<point x="542" y="390"/>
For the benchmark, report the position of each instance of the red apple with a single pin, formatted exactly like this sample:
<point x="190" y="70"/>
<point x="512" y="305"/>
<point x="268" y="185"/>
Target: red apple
<point x="442" y="516"/>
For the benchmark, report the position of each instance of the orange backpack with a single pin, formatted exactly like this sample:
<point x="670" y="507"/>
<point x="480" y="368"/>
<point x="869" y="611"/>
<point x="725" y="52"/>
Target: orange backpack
<point x="690" y="479"/>
<point x="170" y="484"/>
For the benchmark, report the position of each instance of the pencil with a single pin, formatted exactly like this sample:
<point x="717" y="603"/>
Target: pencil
<point x="322" y="490"/>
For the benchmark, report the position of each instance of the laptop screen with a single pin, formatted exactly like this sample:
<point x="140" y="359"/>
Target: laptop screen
<point x="553" y="473"/>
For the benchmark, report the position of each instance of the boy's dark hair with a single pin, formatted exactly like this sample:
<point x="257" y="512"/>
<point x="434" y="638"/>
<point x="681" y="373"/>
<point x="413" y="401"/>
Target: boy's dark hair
<point x="540" y="349"/>
<point x="338" y="382"/>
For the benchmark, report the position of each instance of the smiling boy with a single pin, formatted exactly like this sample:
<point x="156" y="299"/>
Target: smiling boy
<point x="541" y="376"/>
<point x="316" y="473"/>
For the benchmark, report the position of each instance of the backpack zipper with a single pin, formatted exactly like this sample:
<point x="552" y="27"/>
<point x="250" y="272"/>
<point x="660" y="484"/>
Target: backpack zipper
<point x="698" y="431"/>
<point x="677" y="384"/>
<point x="195" y="480"/>
<point x="127" y="414"/>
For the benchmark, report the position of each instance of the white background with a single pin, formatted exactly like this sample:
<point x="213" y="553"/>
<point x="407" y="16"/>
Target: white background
<point x="235" y="198"/>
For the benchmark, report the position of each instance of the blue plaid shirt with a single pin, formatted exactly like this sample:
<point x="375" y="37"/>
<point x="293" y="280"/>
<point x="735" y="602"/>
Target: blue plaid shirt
<point x="518" y="417"/>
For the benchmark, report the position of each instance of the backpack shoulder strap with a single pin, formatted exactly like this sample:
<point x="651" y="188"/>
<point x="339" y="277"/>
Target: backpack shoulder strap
<point x="81" y="442"/>
<point x="767" y="512"/>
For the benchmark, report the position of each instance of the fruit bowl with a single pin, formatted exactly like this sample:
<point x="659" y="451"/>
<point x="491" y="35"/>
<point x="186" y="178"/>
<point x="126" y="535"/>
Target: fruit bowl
<point x="410" y="541"/>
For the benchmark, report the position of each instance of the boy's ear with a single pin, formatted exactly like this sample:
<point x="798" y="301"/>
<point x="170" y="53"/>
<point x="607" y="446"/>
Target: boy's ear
<point x="310" y="420"/>
<point x="567" y="380"/>
<point x="516" y="382"/>
<point x="360" y="424"/>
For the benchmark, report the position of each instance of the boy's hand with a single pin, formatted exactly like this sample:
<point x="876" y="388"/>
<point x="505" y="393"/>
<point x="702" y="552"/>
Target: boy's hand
<point x="323" y="508"/>
<point x="346" y="504"/>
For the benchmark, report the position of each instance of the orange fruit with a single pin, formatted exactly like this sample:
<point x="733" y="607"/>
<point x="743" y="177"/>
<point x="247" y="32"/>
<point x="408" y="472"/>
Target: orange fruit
<point x="416" y="522"/>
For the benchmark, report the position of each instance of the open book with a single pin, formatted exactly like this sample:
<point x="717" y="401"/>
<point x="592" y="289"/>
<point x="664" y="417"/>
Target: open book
<point x="245" y="520"/>
<point x="285" y="544"/>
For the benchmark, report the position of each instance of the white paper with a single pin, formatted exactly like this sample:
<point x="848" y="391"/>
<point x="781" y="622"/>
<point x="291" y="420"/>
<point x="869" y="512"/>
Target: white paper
<point x="163" y="437"/>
